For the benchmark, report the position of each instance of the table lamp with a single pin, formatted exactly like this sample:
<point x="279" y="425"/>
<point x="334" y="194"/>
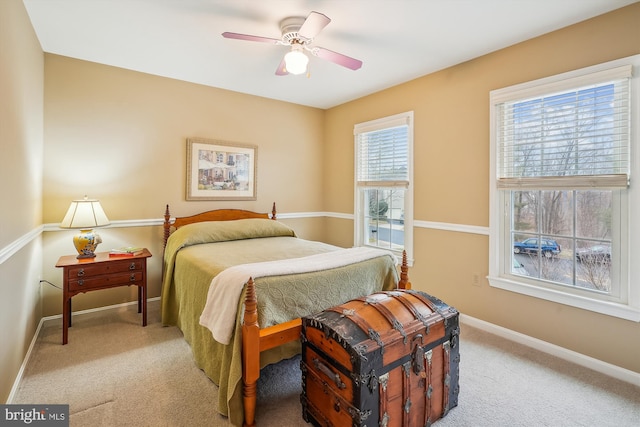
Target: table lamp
<point x="85" y="214"/>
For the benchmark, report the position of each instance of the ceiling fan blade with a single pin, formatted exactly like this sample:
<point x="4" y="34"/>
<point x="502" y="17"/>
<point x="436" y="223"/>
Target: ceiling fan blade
<point x="336" y="58"/>
<point x="282" y="69"/>
<point x="250" y="38"/>
<point x="314" y="23"/>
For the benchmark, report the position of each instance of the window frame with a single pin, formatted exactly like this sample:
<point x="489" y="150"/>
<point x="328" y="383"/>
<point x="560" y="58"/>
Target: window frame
<point x="500" y="251"/>
<point x="359" y="202"/>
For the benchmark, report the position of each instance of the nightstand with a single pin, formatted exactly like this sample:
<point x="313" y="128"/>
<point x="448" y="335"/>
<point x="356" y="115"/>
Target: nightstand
<point x="102" y="272"/>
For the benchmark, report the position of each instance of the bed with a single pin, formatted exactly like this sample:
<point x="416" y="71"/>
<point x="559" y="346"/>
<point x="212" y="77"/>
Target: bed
<point x="264" y="321"/>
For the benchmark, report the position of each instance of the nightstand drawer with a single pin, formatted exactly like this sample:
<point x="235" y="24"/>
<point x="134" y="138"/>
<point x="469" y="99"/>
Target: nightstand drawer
<point x="104" y="268"/>
<point x="106" y="281"/>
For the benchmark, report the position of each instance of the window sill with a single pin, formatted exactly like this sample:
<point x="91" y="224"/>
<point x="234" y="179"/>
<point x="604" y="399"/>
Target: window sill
<point x="608" y="308"/>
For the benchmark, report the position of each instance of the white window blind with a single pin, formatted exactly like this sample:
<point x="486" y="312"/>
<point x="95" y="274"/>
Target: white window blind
<point x="383" y="154"/>
<point x="576" y="135"/>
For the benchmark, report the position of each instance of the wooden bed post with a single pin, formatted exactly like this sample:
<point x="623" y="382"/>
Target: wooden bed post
<point x="273" y="211"/>
<point x="404" y="275"/>
<point x="250" y="355"/>
<point x="167" y="226"/>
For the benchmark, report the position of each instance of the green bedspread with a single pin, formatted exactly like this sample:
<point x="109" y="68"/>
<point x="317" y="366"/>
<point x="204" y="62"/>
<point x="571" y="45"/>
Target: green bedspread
<point x="197" y="252"/>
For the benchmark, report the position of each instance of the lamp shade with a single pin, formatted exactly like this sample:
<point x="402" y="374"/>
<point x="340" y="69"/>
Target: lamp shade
<point x="85" y="213"/>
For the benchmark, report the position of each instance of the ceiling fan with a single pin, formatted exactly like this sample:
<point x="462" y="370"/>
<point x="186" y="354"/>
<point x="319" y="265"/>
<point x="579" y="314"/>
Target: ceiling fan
<point x="299" y="33"/>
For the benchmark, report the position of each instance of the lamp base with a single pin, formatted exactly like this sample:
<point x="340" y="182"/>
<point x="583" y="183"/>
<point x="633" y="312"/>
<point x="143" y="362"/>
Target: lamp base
<point x="86" y="243"/>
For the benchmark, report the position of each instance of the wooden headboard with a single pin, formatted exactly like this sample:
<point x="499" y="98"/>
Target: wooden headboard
<point x="214" y="215"/>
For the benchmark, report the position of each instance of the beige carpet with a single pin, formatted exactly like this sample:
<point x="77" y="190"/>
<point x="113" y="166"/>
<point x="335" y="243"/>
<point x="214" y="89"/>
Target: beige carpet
<point x="114" y="372"/>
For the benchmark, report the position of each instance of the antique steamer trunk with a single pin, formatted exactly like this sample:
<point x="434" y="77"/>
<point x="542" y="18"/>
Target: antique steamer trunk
<point x="388" y="359"/>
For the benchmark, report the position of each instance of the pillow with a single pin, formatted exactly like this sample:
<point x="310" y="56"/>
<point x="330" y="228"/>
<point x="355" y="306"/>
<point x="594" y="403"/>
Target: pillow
<point x="221" y="231"/>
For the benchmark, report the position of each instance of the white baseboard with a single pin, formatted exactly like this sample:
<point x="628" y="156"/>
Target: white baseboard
<point x="93" y="310"/>
<point x="16" y="383"/>
<point x="554" y="350"/>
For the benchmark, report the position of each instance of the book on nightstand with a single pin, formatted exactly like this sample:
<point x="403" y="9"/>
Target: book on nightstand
<point x="124" y="252"/>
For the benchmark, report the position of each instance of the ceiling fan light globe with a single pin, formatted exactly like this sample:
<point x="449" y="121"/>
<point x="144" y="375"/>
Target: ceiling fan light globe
<point x="296" y="62"/>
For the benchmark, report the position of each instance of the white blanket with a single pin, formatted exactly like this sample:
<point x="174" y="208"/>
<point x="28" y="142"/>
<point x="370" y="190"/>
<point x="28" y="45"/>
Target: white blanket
<point x="220" y="311"/>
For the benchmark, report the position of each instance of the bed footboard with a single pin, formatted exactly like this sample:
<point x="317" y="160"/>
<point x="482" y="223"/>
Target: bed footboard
<point x="256" y="340"/>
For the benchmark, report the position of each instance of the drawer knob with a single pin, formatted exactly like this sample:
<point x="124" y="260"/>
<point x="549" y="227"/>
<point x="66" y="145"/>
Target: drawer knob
<point x="80" y="282"/>
<point x="132" y="266"/>
<point x="132" y="278"/>
<point x="81" y="272"/>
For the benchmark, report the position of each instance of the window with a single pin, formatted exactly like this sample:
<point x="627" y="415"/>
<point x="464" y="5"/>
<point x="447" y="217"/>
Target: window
<point x="383" y="187"/>
<point x="562" y="207"/>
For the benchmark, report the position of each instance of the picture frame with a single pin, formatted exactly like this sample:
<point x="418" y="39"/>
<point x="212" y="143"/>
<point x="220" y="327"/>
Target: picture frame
<point x="221" y="170"/>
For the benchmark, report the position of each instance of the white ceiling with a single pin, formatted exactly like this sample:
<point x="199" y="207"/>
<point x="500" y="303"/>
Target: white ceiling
<point x="398" y="40"/>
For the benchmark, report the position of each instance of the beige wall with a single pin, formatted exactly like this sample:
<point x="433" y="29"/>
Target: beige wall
<point x="451" y="110"/>
<point x="120" y="136"/>
<point x="21" y="112"/>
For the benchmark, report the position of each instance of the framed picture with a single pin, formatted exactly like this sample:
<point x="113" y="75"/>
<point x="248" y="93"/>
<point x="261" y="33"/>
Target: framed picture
<point x="220" y="170"/>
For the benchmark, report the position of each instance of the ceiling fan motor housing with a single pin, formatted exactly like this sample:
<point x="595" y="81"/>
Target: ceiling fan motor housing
<point x="290" y="27"/>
